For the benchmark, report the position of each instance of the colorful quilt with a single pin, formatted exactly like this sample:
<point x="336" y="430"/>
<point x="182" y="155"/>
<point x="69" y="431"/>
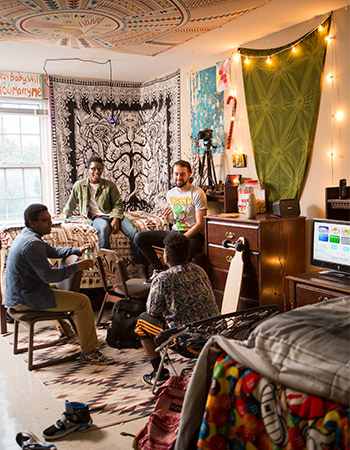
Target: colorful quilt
<point x="247" y="411"/>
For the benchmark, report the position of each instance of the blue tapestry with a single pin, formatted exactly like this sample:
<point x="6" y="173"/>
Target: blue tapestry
<point x="207" y="110"/>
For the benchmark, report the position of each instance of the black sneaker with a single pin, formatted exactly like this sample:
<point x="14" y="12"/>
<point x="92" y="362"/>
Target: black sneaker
<point x="163" y="377"/>
<point x="76" y="417"/>
<point x="9" y="319"/>
<point x="28" y="441"/>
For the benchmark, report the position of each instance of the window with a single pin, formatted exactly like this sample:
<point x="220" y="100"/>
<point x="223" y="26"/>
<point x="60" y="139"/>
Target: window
<point x="24" y="160"/>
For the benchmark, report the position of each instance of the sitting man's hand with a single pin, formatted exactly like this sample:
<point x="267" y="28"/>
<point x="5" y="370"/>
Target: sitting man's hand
<point x="84" y="247"/>
<point x="85" y="264"/>
<point x="115" y="225"/>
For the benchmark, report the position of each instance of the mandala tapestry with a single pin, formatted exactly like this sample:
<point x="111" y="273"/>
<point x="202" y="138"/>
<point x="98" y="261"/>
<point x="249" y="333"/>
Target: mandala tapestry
<point x="133" y="127"/>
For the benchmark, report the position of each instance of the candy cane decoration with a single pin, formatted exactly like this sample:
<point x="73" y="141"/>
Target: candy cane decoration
<point x="234" y="106"/>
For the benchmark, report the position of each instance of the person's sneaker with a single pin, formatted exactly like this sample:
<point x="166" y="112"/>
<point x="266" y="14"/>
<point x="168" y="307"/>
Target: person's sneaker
<point x="76" y="417"/>
<point x="96" y="357"/>
<point x="152" y="277"/>
<point x="28" y="441"/>
<point x="163" y="377"/>
<point x="65" y="329"/>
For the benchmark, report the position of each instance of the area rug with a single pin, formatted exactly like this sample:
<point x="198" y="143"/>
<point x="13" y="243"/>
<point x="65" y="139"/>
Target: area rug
<point x="115" y="394"/>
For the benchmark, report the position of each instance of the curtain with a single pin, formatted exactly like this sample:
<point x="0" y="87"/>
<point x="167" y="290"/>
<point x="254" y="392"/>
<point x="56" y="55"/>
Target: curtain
<point x="282" y="102"/>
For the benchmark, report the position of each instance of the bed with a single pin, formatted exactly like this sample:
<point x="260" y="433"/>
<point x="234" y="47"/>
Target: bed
<point x="285" y="387"/>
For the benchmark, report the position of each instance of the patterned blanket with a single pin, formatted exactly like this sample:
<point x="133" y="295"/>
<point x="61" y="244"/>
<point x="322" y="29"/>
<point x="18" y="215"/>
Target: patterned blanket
<point x="306" y="350"/>
<point x="75" y="234"/>
<point x="247" y="411"/>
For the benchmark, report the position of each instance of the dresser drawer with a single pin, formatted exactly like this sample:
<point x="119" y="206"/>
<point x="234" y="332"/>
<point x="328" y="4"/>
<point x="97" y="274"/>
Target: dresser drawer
<point x="250" y="283"/>
<point x="217" y="232"/>
<point x="307" y="295"/>
<point x="219" y="256"/>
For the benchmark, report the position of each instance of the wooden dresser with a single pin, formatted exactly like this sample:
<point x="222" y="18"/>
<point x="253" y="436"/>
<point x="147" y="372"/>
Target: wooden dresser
<point x="274" y="248"/>
<point x="307" y="288"/>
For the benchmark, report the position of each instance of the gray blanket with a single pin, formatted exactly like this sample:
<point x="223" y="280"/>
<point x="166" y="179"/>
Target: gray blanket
<point x="306" y="349"/>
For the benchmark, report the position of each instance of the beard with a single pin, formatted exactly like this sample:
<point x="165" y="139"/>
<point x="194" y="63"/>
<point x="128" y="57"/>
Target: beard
<point x="181" y="183"/>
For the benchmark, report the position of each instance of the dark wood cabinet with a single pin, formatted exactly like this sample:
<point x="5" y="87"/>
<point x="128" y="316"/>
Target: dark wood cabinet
<point x="308" y="288"/>
<point x="228" y="198"/>
<point x="337" y="208"/>
<point x="274" y="248"/>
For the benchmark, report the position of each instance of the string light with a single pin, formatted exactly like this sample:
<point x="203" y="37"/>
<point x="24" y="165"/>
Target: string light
<point x="292" y="47"/>
<point x="339" y="115"/>
<point x="236" y="56"/>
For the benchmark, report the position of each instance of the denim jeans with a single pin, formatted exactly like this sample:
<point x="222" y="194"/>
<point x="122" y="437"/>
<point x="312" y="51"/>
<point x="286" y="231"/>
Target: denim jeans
<point x="103" y="226"/>
<point x="145" y="239"/>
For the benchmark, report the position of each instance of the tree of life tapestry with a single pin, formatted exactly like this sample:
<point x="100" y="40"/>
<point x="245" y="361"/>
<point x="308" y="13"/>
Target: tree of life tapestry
<point x="133" y="127"/>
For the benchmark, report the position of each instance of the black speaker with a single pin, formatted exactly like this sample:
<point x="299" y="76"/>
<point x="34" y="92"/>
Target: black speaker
<point x="286" y="208"/>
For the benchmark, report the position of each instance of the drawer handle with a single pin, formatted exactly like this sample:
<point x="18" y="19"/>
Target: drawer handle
<point x="230" y="234"/>
<point x="229" y="258"/>
<point x="322" y="299"/>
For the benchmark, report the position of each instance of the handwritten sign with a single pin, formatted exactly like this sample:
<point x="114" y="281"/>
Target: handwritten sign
<point x="18" y="84"/>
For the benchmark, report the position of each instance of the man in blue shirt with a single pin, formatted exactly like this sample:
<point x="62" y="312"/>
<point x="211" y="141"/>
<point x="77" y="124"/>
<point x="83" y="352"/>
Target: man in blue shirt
<point x="28" y="274"/>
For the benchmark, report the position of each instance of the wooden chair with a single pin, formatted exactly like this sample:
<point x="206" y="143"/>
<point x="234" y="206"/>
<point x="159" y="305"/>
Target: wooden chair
<point x="32" y="317"/>
<point x="116" y="282"/>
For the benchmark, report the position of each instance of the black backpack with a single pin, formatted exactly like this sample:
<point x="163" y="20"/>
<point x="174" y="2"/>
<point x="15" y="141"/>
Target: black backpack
<point x="120" y="333"/>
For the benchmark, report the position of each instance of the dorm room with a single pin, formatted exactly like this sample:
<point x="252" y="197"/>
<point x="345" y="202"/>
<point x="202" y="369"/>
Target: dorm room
<point x="143" y="103"/>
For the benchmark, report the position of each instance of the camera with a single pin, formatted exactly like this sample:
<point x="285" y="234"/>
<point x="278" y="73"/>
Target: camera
<point x="206" y="134"/>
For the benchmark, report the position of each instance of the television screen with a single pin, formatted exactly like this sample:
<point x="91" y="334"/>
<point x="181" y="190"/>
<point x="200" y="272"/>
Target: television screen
<point x="330" y="245"/>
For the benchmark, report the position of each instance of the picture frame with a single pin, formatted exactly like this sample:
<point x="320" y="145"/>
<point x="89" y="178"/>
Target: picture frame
<point x="239" y="160"/>
<point x="233" y="180"/>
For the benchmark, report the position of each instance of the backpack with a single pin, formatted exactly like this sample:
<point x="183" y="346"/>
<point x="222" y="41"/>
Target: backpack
<point x="120" y="333"/>
<point x="160" y="431"/>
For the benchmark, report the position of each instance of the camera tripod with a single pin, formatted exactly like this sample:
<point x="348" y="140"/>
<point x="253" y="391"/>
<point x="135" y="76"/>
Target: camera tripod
<point x="208" y="175"/>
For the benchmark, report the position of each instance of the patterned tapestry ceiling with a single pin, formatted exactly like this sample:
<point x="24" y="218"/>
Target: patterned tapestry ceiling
<point x="138" y="27"/>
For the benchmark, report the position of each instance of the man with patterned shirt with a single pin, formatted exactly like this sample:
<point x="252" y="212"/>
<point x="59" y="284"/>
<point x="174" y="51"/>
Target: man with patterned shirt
<point x="179" y="295"/>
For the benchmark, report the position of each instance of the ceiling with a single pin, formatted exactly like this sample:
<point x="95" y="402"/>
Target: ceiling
<point x="143" y="39"/>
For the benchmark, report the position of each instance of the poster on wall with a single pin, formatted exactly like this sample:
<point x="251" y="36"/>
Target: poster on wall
<point x="20" y="84"/>
<point x="207" y="111"/>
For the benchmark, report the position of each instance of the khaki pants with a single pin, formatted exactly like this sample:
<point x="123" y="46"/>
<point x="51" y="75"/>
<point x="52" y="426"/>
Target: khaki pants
<point x="80" y="305"/>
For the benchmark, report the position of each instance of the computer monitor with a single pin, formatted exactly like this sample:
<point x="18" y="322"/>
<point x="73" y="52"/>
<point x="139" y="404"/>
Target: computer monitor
<point x="330" y="248"/>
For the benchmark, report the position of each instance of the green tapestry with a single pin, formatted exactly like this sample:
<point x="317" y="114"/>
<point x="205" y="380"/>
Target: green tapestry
<point x="283" y="100"/>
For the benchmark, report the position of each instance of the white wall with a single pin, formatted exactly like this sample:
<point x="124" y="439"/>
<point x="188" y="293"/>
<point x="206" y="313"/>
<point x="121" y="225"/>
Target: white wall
<point x="322" y="173"/>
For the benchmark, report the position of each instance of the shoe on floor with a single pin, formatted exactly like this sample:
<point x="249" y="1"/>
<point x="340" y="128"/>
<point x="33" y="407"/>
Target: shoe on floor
<point x="76" y="417"/>
<point x="96" y="357"/>
<point x="152" y="277"/>
<point x="163" y="377"/>
<point x="9" y="319"/>
<point x="28" y="441"/>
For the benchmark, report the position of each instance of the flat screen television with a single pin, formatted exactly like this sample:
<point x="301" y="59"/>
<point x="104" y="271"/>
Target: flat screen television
<point x="330" y="248"/>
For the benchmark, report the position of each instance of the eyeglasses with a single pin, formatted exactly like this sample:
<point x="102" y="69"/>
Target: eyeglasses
<point x="43" y="220"/>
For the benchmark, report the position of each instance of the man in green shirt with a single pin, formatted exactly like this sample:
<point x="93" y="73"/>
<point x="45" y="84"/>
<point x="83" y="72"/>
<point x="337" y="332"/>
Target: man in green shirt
<point x="102" y="207"/>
